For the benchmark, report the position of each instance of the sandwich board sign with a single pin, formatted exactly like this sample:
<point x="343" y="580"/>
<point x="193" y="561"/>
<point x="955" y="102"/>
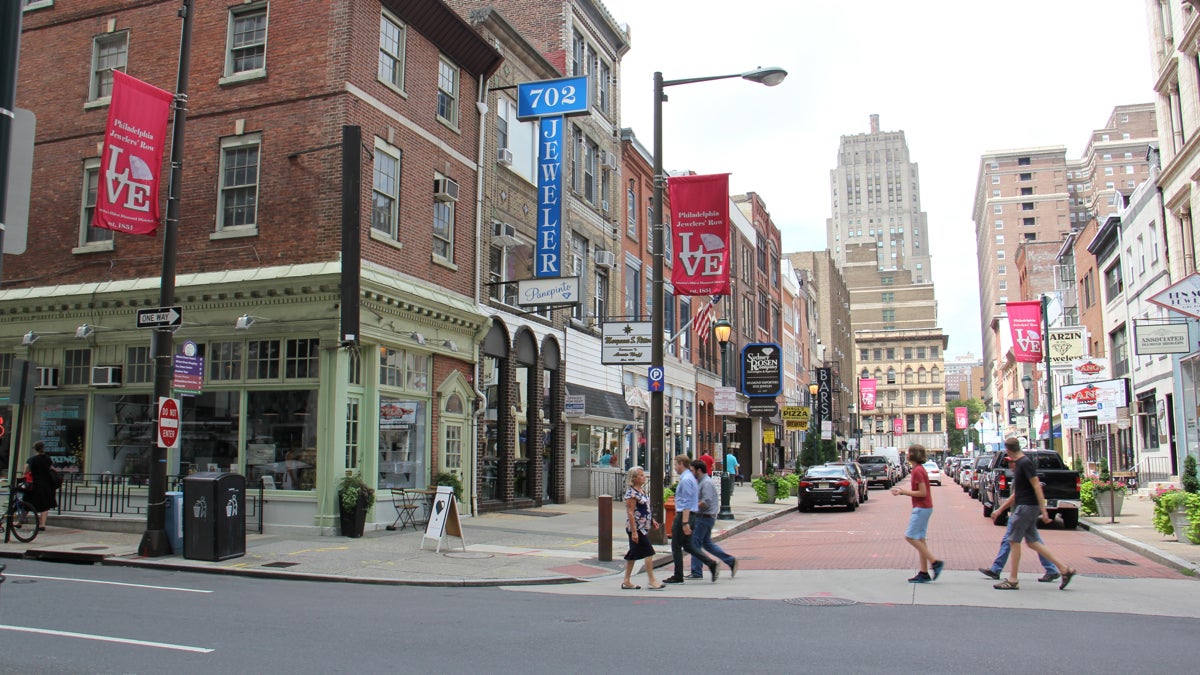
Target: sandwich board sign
<point x="443" y="519"/>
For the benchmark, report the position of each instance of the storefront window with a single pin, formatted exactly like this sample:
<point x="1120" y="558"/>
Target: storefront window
<point x="60" y="423"/>
<point x="209" y="434"/>
<point x="122" y="435"/>
<point x="282" y="441"/>
<point x="402" y="448"/>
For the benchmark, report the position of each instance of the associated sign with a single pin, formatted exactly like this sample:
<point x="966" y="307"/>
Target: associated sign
<point x="1182" y="297"/>
<point x="160" y="317"/>
<point x="625" y="342"/>
<point x="168" y="423"/>
<point x="762" y="369"/>
<point x="548" y="291"/>
<point x="1160" y="338"/>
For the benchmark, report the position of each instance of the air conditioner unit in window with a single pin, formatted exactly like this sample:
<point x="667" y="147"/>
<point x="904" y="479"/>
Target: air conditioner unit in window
<point x="47" y="378"/>
<point x="445" y="190"/>
<point x="106" y="376"/>
<point x="610" y="161"/>
<point x="606" y="259"/>
<point x="604" y="205"/>
<point x="504" y="156"/>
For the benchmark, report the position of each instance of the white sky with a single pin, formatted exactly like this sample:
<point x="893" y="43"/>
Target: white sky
<point x="959" y="77"/>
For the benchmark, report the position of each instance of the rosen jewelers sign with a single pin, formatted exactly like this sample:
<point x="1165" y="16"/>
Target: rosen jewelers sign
<point x="1183" y="297"/>
<point x="1161" y="338"/>
<point x="625" y="342"/>
<point x="762" y="369"/>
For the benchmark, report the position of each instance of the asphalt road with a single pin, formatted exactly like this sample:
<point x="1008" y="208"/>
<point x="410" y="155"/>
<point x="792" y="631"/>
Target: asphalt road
<point x="81" y="619"/>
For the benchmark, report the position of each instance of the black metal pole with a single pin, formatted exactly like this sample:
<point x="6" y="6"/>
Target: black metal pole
<point x="154" y="540"/>
<point x="10" y="52"/>
<point x="726" y="512"/>
<point x="1049" y="379"/>
<point x="656" y="446"/>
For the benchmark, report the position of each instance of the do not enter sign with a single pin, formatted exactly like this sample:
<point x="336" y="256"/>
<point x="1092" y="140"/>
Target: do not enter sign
<point x="168" y="423"/>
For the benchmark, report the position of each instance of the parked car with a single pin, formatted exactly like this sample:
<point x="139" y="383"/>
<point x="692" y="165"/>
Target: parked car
<point x="828" y="486"/>
<point x="877" y="470"/>
<point x="857" y="472"/>
<point x="981" y="465"/>
<point x="1060" y="486"/>
<point x="951" y="467"/>
<point x="934" y="473"/>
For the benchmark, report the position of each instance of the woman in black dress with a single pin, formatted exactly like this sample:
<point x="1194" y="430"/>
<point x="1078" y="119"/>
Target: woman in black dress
<point x="638" y="525"/>
<point x="42" y="494"/>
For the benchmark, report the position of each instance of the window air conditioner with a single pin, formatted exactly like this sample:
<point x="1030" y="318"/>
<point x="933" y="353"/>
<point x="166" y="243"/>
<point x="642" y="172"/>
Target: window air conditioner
<point x="610" y="161"/>
<point x="47" y="378"/>
<point x="504" y="156"/>
<point x="604" y="205"/>
<point x="445" y="190"/>
<point x="605" y="259"/>
<point x="106" y="376"/>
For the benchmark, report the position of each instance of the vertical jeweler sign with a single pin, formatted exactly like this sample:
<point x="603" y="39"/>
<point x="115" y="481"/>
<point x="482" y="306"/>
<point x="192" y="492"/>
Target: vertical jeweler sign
<point x="550" y="102"/>
<point x="134" y="139"/>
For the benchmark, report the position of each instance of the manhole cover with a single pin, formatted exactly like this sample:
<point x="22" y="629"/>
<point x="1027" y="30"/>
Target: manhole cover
<point x="470" y="555"/>
<point x="281" y="564"/>
<point x="820" y="601"/>
<point x="1114" y="561"/>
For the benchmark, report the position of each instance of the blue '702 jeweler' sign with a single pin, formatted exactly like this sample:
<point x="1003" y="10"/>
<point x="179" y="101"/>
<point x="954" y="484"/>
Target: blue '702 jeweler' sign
<point x="566" y="96"/>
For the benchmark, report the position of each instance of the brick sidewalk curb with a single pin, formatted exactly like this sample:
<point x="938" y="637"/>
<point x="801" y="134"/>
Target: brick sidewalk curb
<point x="300" y="576"/>
<point x="1155" y="554"/>
<point x="665" y="558"/>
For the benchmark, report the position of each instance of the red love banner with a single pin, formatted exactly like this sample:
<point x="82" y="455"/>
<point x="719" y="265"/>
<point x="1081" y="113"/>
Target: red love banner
<point x="1025" y="324"/>
<point x="960" y="418"/>
<point x="700" y="234"/>
<point x="866" y="393"/>
<point x="131" y="168"/>
<point x="898" y="426"/>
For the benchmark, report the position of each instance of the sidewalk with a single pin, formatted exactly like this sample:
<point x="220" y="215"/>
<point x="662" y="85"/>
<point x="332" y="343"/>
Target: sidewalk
<point x="554" y="544"/>
<point x="1134" y="529"/>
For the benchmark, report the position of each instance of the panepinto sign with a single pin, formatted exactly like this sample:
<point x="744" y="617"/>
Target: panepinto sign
<point x="960" y="418"/>
<point x="866" y="394"/>
<point x="1025" y="323"/>
<point x="127" y="196"/>
<point x="700" y="234"/>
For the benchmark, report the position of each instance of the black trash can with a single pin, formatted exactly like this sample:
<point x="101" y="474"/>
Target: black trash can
<point x="214" y="516"/>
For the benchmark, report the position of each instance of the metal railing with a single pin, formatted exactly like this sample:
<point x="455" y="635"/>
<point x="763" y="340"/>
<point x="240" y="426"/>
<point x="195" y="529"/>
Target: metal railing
<point x="1152" y="470"/>
<point x="104" y="494"/>
<point x="605" y="481"/>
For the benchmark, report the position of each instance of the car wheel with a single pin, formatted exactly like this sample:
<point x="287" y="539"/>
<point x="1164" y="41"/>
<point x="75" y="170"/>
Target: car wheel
<point x="987" y="510"/>
<point x="973" y="494"/>
<point x="851" y="506"/>
<point x="887" y="485"/>
<point x="866" y="495"/>
<point x="1070" y="519"/>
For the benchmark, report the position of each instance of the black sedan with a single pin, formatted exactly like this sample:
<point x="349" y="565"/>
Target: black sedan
<point x="828" y="486"/>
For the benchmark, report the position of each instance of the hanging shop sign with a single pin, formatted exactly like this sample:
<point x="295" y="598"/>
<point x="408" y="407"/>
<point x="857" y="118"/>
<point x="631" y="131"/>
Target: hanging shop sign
<point x="560" y="291"/>
<point x="127" y="199"/>
<point x="1084" y="396"/>
<point x="625" y="342"/>
<point x="700" y="234"/>
<point x="1182" y="297"/>
<point x="1160" y="338"/>
<point x="825" y="393"/>
<point x="762" y="369"/>
<point x="866" y="393"/>
<point x="1089" y="369"/>
<point x="1025" y="323"/>
<point x="1066" y="345"/>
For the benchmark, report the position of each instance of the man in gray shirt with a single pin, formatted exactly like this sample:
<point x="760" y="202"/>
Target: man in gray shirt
<point x="705" y="518"/>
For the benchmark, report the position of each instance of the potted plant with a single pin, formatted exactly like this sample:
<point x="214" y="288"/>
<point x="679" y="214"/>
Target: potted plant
<point x="1107" y="496"/>
<point x="355" y="498"/>
<point x="669" y="507"/>
<point x="768" y="487"/>
<point x="1177" y="512"/>
<point x="450" y="479"/>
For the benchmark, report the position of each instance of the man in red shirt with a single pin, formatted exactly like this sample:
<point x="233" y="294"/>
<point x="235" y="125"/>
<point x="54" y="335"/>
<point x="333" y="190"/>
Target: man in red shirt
<point x="922" y="509"/>
<point x="708" y="461"/>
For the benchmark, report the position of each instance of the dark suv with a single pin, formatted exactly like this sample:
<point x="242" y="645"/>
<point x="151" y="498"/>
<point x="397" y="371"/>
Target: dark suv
<point x="876" y="470"/>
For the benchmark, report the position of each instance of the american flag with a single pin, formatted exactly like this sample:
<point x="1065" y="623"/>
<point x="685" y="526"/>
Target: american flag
<point x="704" y="320"/>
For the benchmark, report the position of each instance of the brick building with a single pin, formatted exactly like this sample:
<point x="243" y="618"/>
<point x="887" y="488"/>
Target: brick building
<point x="292" y="398"/>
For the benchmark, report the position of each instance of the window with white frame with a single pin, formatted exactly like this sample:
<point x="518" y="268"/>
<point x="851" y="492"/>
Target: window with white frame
<point x="997" y="209"/>
<point x="447" y="99"/>
<point x="1002" y="270"/>
<point x="91" y="183"/>
<point x="239" y="182"/>
<point x="519" y="138"/>
<point x="77" y="366"/>
<point x="392" y="38"/>
<point x="578" y="266"/>
<point x="109" y="52"/>
<point x="247" y="42"/>
<point x="353" y="414"/>
<point x="603" y="78"/>
<point x="601" y="294"/>
<point x="139" y="367"/>
<point x="591" y="155"/>
<point x="443" y="227"/>
<point x="385" y="190"/>
<point x="631" y="223"/>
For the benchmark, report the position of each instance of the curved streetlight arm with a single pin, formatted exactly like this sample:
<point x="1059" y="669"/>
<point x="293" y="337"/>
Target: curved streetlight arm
<point x="768" y="76"/>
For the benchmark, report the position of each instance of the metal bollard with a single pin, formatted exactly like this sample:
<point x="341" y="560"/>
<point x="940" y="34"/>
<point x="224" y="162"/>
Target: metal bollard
<point x="604" y="524"/>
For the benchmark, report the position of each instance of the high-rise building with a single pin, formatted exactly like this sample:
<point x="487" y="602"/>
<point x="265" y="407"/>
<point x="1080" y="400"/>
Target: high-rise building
<point x="876" y="199"/>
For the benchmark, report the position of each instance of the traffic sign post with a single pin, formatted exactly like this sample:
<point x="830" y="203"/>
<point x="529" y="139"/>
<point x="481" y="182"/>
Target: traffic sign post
<point x="168" y="423"/>
<point x="657" y="378"/>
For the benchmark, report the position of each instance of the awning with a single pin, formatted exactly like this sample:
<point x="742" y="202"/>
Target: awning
<point x="601" y="407"/>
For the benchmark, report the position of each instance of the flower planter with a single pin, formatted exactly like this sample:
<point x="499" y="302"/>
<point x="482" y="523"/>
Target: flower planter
<point x="1108" y="504"/>
<point x="771" y="492"/>
<point x="1179" y="521"/>
<point x="354" y="522"/>
<point x="668" y="515"/>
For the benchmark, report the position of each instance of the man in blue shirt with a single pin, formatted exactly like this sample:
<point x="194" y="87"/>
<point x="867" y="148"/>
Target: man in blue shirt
<point x="706" y="517"/>
<point x="687" y="502"/>
<point x="731" y="466"/>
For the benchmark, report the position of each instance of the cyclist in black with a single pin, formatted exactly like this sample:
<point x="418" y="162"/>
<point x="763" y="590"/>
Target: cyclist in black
<point x="42" y="493"/>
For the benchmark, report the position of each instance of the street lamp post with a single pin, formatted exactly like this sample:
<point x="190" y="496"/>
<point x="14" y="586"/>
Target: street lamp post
<point x="769" y="77"/>
<point x="1027" y="382"/>
<point x="853" y="431"/>
<point x="814" y="422"/>
<point x="722" y="329"/>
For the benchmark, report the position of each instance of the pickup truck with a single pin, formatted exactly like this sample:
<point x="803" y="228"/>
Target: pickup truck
<point x="1060" y="486"/>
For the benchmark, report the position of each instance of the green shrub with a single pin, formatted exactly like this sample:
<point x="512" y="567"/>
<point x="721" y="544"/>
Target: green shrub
<point x="1190" y="482"/>
<point x="1170" y="500"/>
<point x="450" y="480"/>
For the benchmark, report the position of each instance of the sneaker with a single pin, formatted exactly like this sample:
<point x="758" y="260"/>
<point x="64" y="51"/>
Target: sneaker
<point x="733" y="568"/>
<point x="937" y="569"/>
<point x="694" y="576"/>
<point x="673" y="580"/>
<point x="921" y="578"/>
<point x="989" y="573"/>
<point x="716" y="571"/>
<point x="1048" y="577"/>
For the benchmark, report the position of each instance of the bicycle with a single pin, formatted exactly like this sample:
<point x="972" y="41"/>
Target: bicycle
<point x="20" y="519"/>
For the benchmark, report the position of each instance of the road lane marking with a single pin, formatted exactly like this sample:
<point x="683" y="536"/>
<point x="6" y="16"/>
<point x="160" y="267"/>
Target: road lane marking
<point x="106" y="638"/>
<point x="108" y="583"/>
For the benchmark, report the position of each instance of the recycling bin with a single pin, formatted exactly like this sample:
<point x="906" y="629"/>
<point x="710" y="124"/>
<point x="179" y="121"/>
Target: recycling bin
<point x="214" y="516"/>
<point x="175" y="521"/>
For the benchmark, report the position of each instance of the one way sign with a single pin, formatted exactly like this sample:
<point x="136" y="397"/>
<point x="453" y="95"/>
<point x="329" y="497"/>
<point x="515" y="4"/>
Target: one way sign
<point x="159" y="317"/>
